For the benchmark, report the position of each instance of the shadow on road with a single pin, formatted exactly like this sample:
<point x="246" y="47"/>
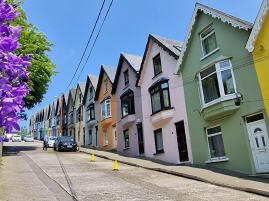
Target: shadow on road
<point x="15" y="150"/>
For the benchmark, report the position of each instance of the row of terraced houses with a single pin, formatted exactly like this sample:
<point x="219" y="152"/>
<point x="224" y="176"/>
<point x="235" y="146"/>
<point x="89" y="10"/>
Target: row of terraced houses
<point x="203" y="101"/>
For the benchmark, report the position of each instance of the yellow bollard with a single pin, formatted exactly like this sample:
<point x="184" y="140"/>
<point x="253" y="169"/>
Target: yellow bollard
<point x="92" y="160"/>
<point x="116" y="166"/>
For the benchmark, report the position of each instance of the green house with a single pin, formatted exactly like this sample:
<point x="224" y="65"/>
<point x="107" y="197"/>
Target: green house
<point x="228" y="125"/>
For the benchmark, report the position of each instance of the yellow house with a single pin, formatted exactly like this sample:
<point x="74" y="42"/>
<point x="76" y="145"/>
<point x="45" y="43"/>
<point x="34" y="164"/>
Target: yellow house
<point x="107" y="105"/>
<point x="258" y="44"/>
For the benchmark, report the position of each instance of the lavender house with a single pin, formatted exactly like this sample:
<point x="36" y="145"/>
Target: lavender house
<point x="166" y="133"/>
<point x="129" y="107"/>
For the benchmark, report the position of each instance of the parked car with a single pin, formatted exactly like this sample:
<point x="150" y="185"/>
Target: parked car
<point x="16" y="138"/>
<point x="64" y="143"/>
<point x="51" y="142"/>
<point x="28" y="138"/>
<point x="23" y="136"/>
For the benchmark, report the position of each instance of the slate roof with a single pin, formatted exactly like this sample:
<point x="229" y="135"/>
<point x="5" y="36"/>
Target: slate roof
<point x="133" y="61"/>
<point x="172" y="47"/>
<point x="110" y="71"/>
<point x="94" y="80"/>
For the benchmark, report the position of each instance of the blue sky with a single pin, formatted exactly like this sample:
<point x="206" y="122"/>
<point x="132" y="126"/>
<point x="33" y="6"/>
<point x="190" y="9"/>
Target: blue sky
<point x="68" y="26"/>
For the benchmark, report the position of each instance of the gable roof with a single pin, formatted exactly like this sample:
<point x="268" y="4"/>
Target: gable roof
<point x="110" y="71"/>
<point x="82" y="85"/>
<point x="172" y="47"/>
<point x="65" y="96"/>
<point x="94" y="80"/>
<point x="257" y="25"/>
<point x="225" y="18"/>
<point x="71" y="95"/>
<point x="133" y="61"/>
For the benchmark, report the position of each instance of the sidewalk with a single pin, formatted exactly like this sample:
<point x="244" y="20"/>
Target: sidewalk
<point x="236" y="181"/>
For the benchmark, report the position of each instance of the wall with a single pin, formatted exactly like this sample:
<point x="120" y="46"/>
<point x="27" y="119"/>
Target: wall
<point x="109" y="122"/>
<point x="231" y="42"/>
<point x="121" y="88"/>
<point x="260" y="55"/>
<point x="171" y="153"/>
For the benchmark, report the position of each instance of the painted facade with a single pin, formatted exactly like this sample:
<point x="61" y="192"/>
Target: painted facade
<point x="107" y="107"/>
<point x="258" y="45"/>
<point x="164" y="116"/>
<point x="70" y="109"/>
<point x="54" y="117"/>
<point x="65" y="115"/>
<point x="91" y="112"/>
<point x="129" y="107"/>
<point x="58" y="116"/>
<point x="222" y="92"/>
<point x="78" y="114"/>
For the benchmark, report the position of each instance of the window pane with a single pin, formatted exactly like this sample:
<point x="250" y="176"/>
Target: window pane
<point x="224" y="64"/>
<point x="209" y="44"/>
<point x="164" y="85"/>
<point x="126" y="138"/>
<point x="214" y="130"/>
<point x="216" y="146"/>
<point x="210" y="88"/>
<point x="208" y="71"/>
<point x="103" y="110"/>
<point x="208" y="31"/>
<point x="156" y="102"/>
<point x="124" y="105"/>
<point x="228" y="83"/>
<point x="92" y="113"/>
<point x="131" y="104"/>
<point x="108" y="108"/>
<point x="159" y="140"/>
<point x="157" y="64"/>
<point x="166" y="98"/>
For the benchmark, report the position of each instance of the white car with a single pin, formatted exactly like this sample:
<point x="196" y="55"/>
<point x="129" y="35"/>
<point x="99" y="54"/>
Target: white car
<point x="51" y="142"/>
<point x="16" y="138"/>
<point x="28" y="138"/>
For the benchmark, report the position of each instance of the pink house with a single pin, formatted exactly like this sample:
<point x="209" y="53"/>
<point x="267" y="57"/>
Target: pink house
<point x="166" y="133"/>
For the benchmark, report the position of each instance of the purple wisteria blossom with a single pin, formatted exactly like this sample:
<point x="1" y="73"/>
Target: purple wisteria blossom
<point x="13" y="69"/>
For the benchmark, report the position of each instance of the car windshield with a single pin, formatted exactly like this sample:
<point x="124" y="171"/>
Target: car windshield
<point x="66" y="138"/>
<point x="52" y="138"/>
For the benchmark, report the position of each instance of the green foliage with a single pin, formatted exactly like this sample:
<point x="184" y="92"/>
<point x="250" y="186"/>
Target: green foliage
<point x="42" y="68"/>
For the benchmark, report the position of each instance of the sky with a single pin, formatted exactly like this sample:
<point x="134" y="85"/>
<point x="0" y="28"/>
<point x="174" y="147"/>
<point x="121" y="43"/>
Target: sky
<point x="68" y="25"/>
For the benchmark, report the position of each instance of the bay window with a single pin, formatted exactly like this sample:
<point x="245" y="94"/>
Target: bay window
<point x="217" y="83"/>
<point x="215" y="143"/>
<point x="106" y="109"/>
<point x="127" y="103"/>
<point x="160" y="98"/>
<point x="91" y="112"/>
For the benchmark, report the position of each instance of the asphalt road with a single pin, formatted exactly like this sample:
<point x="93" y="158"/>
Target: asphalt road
<point x="29" y="173"/>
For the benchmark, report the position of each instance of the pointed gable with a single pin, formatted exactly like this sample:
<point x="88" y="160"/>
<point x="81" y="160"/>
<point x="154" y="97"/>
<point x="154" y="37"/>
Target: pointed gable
<point x="134" y="63"/>
<point x="257" y="25"/>
<point x="225" y="18"/>
<point x="71" y="96"/>
<point x="93" y="79"/>
<point x="172" y="47"/>
<point x="110" y="71"/>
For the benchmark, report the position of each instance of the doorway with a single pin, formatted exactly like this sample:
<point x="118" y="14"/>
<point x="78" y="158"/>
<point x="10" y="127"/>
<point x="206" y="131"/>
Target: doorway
<point x="181" y="141"/>
<point x="258" y="137"/>
<point x="90" y="137"/>
<point x="115" y="137"/>
<point x="140" y="138"/>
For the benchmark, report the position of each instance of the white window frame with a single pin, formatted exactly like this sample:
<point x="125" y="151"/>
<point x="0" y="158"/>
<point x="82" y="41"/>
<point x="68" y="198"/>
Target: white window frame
<point x="205" y="37"/>
<point x="105" y="138"/>
<point x="215" y="159"/>
<point x="223" y="96"/>
<point x="106" y="102"/>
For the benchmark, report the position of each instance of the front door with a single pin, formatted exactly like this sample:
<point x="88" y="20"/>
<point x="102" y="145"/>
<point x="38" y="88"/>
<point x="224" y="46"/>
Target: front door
<point x="115" y="137"/>
<point x="90" y="137"/>
<point x="96" y="136"/>
<point x="140" y="138"/>
<point x="259" y="142"/>
<point x="181" y="141"/>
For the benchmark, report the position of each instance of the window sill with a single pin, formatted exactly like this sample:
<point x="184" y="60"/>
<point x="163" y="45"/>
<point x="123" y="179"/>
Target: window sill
<point x="210" y="53"/>
<point x="170" y="108"/>
<point x="222" y="99"/>
<point x="217" y="160"/>
<point x="126" y="148"/>
<point x="157" y="75"/>
<point x="159" y="152"/>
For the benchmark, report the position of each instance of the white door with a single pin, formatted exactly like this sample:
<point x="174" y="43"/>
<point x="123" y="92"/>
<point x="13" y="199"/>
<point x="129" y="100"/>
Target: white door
<point x="115" y="136"/>
<point x="259" y="144"/>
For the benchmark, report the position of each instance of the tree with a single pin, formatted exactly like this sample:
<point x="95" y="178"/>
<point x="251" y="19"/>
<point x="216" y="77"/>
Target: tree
<point x="13" y="69"/>
<point x="42" y="68"/>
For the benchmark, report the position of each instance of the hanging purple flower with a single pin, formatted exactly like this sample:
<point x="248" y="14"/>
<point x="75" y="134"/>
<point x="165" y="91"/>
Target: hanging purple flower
<point x="13" y="69"/>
